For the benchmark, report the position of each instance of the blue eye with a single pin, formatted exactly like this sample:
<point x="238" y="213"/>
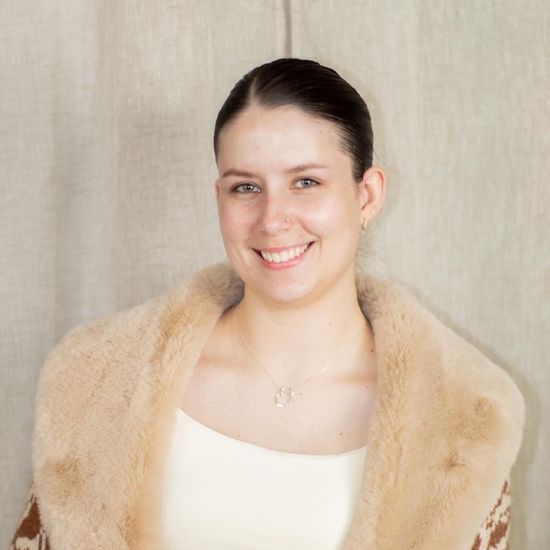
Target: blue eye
<point x="311" y="181"/>
<point x="247" y="185"/>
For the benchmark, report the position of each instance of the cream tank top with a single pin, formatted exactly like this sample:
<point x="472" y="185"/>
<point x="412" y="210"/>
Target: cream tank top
<point x="221" y="493"/>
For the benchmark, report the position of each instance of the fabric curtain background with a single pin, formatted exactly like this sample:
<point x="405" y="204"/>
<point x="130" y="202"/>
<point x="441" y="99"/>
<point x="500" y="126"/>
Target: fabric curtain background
<point x="106" y="119"/>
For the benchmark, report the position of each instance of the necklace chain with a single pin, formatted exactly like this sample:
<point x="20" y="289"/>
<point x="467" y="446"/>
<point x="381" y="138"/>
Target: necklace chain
<point x="284" y="394"/>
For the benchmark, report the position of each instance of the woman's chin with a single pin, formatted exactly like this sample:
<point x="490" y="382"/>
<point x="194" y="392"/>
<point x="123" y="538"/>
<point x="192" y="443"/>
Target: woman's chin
<point x="298" y="283"/>
<point x="283" y="291"/>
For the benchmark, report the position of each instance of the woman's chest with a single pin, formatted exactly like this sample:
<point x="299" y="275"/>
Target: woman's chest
<point x="321" y="418"/>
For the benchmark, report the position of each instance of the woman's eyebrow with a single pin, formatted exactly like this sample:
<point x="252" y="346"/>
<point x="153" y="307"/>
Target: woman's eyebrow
<point x="299" y="168"/>
<point x="309" y="166"/>
<point x="238" y="173"/>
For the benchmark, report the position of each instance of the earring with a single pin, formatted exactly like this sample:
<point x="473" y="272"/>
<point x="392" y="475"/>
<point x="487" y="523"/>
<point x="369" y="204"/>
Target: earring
<point x="364" y="222"/>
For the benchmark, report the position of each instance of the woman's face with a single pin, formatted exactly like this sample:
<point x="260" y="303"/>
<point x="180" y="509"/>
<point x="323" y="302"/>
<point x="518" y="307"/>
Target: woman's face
<point x="283" y="163"/>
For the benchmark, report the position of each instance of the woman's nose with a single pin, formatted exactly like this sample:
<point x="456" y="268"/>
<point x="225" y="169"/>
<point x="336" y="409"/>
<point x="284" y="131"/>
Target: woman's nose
<point x="274" y="214"/>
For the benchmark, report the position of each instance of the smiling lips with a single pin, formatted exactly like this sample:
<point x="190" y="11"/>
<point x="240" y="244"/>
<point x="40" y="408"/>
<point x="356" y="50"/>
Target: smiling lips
<point x="283" y="257"/>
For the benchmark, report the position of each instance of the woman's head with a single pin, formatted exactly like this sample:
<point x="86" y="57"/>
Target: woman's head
<point x="313" y="88"/>
<point x="295" y="170"/>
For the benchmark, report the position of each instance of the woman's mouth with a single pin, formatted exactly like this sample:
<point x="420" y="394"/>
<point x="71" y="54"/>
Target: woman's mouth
<point x="284" y="259"/>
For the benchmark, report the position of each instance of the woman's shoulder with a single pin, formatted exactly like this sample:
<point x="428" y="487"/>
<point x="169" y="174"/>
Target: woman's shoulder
<point x="91" y="345"/>
<point x="116" y="347"/>
<point x="405" y="325"/>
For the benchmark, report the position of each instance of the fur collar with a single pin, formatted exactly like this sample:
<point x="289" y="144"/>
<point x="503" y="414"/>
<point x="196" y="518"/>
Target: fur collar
<point x="446" y="430"/>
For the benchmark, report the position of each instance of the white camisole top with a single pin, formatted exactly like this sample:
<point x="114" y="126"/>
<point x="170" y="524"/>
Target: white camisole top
<point x="221" y="493"/>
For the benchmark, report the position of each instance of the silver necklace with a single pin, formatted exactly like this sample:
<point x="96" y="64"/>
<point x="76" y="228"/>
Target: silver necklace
<point x="284" y="394"/>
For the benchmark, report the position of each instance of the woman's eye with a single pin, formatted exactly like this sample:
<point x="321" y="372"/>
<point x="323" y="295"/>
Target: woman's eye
<point x="309" y="182"/>
<point x="244" y="188"/>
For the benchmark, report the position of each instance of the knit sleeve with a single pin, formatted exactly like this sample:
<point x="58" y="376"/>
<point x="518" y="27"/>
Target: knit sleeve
<point x="493" y="534"/>
<point x="29" y="534"/>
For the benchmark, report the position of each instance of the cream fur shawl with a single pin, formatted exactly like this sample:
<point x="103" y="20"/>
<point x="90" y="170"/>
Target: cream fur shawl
<point x="445" y="434"/>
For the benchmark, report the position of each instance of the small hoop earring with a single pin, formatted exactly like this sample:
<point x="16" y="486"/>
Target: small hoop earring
<point x="364" y="222"/>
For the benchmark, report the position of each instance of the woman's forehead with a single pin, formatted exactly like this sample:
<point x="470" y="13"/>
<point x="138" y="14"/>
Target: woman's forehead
<point x="261" y="118"/>
<point x="271" y="132"/>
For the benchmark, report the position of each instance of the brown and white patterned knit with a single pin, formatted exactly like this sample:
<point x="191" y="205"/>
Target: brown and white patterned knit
<point x="493" y="534"/>
<point x="30" y="535"/>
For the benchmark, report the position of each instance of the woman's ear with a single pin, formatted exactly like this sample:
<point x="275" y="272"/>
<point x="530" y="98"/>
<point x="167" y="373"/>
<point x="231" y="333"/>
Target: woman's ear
<point x="372" y="191"/>
<point x="217" y="191"/>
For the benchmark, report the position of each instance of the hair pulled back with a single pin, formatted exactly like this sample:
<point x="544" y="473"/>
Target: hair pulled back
<point x="312" y="87"/>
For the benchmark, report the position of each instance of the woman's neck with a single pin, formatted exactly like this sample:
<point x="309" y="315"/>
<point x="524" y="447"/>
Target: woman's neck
<point x="293" y="343"/>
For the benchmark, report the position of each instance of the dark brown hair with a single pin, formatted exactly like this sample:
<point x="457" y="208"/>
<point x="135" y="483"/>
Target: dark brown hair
<point x="314" y="88"/>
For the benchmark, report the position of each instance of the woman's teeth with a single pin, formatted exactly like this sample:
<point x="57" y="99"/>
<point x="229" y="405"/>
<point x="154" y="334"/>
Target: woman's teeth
<point x="278" y="257"/>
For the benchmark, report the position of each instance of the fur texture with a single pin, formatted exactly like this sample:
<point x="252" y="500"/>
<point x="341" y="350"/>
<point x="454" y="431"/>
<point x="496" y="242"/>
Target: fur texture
<point x="445" y="433"/>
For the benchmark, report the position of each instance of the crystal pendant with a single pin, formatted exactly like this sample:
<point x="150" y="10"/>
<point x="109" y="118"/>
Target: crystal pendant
<point x="284" y="396"/>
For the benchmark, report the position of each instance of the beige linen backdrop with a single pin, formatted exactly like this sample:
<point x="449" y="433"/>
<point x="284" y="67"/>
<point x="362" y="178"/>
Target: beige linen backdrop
<point x="106" y="117"/>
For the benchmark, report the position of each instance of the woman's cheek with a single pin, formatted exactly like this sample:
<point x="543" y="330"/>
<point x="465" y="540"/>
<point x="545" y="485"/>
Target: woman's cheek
<point x="232" y="219"/>
<point x="328" y="216"/>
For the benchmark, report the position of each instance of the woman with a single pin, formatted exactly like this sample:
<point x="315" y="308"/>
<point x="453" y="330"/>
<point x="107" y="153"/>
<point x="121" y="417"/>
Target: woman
<point x="283" y="398"/>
